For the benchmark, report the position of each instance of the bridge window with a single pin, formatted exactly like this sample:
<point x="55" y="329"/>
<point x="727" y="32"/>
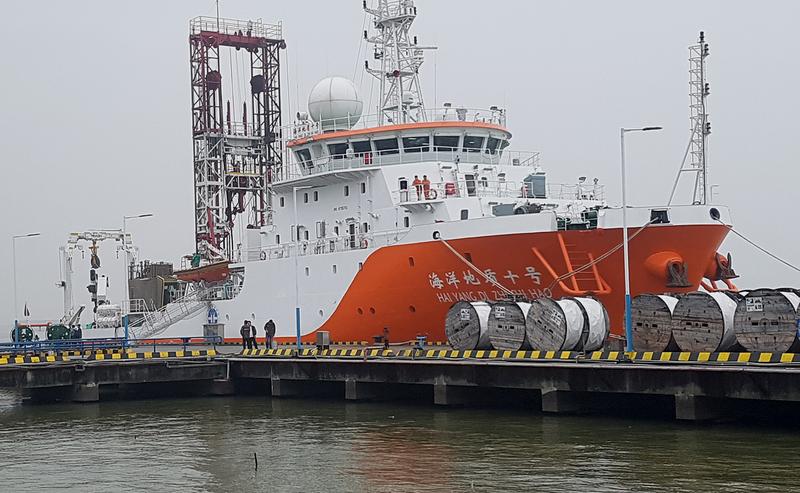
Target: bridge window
<point x="361" y="146"/>
<point x="316" y="196"/>
<point x="387" y="146"/>
<point x="277" y="239"/>
<point x="464" y="214"/>
<point x="305" y="198"/>
<point x="283" y="202"/>
<point x="338" y="150"/>
<point x="492" y="145"/>
<point x="473" y="143"/>
<point x="445" y="143"/>
<point x="363" y="187"/>
<point x="304" y="156"/>
<point x="347" y="190"/>
<point x="416" y="144"/>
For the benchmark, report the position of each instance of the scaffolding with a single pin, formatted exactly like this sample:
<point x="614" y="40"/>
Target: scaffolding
<point x="234" y="160"/>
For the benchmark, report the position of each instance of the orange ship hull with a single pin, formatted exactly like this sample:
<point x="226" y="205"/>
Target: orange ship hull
<point x="409" y="288"/>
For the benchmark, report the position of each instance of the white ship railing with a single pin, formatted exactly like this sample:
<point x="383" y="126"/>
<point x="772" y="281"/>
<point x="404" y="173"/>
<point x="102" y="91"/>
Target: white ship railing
<point x="255" y="28"/>
<point x="340" y="243"/>
<point x="497" y="189"/>
<point x="341" y="162"/>
<point x="308" y="127"/>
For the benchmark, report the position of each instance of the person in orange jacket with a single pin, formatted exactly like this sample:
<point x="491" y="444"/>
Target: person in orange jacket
<point x="417" y="183"/>
<point x="426" y="187"/>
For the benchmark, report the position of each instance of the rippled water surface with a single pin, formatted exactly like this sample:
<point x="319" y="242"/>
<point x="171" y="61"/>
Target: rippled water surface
<point x="309" y="446"/>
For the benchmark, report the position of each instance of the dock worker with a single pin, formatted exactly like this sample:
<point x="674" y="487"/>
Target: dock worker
<point x="269" y="328"/>
<point x="426" y="187"/>
<point x="253" y="333"/>
<point x="245" y="331"/>
<point x="417" y="183"/>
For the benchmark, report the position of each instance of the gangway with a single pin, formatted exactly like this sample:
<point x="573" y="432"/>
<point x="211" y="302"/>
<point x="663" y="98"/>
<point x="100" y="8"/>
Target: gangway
<point x="155" y="322"/>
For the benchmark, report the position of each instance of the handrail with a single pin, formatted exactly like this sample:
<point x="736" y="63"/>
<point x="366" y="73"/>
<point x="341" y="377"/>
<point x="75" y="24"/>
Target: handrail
<point x="105" y="343"/>
<point x="308" y="127"/>
<point x="357" y="161"/>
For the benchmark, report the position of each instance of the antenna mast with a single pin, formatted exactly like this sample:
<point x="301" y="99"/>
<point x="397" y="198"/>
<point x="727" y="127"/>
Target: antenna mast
<point x="701" y="127"/>
<point x="400" y="57"/>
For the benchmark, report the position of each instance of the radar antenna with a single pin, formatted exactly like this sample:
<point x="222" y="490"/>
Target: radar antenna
<point x="701" y="127"/>
<point x="400" y="57"/>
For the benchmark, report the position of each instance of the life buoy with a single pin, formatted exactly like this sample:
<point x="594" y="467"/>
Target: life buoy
<point x="432" y="194"/>
<point x="364" y="243"/>
<point x="263" y="255"/>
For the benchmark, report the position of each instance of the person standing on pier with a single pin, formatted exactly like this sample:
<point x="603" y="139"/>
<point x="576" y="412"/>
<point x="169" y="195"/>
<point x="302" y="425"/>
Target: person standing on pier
<point x="245" y="331"/>
<point x="269" y="328"/>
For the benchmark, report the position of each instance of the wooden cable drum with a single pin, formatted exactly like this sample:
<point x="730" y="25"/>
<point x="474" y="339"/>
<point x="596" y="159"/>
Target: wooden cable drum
<point x="651" y="320"/>
<point x="766" y="320"/>
<point x="703" y="322"/>
<point x="596" y="324"/>
<point x="554" y="325"/>
<point x="525" y="307"/>
<point x="506" y="326"/>
<point x="466" y="325"/>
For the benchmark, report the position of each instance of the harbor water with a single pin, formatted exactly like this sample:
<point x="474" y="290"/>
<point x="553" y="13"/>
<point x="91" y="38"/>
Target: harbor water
<point x="199" y="445"/>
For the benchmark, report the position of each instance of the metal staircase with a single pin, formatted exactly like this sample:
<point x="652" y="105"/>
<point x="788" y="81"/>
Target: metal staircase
<point x="157" y="321"/>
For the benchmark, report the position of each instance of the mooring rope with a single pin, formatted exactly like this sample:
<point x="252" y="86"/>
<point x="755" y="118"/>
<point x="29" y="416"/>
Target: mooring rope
<point x="598" y="259"/>
<point x="488" y="278"/>
<point x="762" y="249"/>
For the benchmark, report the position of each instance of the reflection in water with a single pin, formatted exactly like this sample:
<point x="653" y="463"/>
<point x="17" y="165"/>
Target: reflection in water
<point x="309" y="446"/>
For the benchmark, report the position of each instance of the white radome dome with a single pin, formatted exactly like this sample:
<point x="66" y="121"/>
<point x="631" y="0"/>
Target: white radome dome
<point x="335" y="104"/>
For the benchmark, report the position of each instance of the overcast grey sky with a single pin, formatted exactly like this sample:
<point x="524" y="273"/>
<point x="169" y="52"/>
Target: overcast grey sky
<point x="96" y="108"/>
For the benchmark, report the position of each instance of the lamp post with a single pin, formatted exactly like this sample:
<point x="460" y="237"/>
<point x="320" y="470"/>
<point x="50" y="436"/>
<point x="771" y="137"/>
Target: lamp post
<point x="628" y="324"/>
<point x="296" y="255"/>
<point x="14" y="277"/>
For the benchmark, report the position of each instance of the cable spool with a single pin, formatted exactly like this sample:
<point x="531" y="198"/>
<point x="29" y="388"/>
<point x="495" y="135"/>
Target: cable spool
<point x="554" y="325"/>
<point x="703" y="322"/>
<point x="466" y="325"/>
<point x="596" y="324"/>
<point x="651" y="320"/>
<point x="525" y="307"/>
<point x="766" y="320"/>
<point x="506" y="326"/>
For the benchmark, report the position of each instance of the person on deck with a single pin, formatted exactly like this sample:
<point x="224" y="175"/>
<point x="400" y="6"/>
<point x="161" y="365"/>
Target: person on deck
<point x="269" y="328"/>
<point x="417" y="183"/>
<point x="426" y="187"/>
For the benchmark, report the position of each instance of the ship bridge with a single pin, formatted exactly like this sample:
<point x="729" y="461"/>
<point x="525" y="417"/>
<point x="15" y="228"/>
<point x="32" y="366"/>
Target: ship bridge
<point x="448" y="135"/>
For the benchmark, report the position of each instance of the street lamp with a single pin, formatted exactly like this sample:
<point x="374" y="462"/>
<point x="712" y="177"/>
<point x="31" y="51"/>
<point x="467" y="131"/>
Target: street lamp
<point x="127" y="295"/>
<point x="628" y="324"/>
<point x="296" y="255"/>
<point x="14" y="277"/>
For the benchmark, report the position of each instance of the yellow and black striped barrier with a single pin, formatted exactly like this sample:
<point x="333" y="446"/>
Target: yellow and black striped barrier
<point x="104" y="356"/>
<point x="606" y="356"/>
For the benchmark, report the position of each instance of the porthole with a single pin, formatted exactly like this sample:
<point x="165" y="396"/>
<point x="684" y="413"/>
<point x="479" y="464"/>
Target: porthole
<point x="714" y="213"/>
<point x="411" y="261"/>
<point x="372" y="310"/>
<point x="360" y="311"/>
<point x="412" y="309"/>
<point x="320" y="313"/>
<point x="436" y="235"/>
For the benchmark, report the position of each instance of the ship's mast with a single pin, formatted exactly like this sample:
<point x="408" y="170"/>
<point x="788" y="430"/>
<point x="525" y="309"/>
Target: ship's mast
<point x="400" y="57"/>
<point x="701" y="127"/>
